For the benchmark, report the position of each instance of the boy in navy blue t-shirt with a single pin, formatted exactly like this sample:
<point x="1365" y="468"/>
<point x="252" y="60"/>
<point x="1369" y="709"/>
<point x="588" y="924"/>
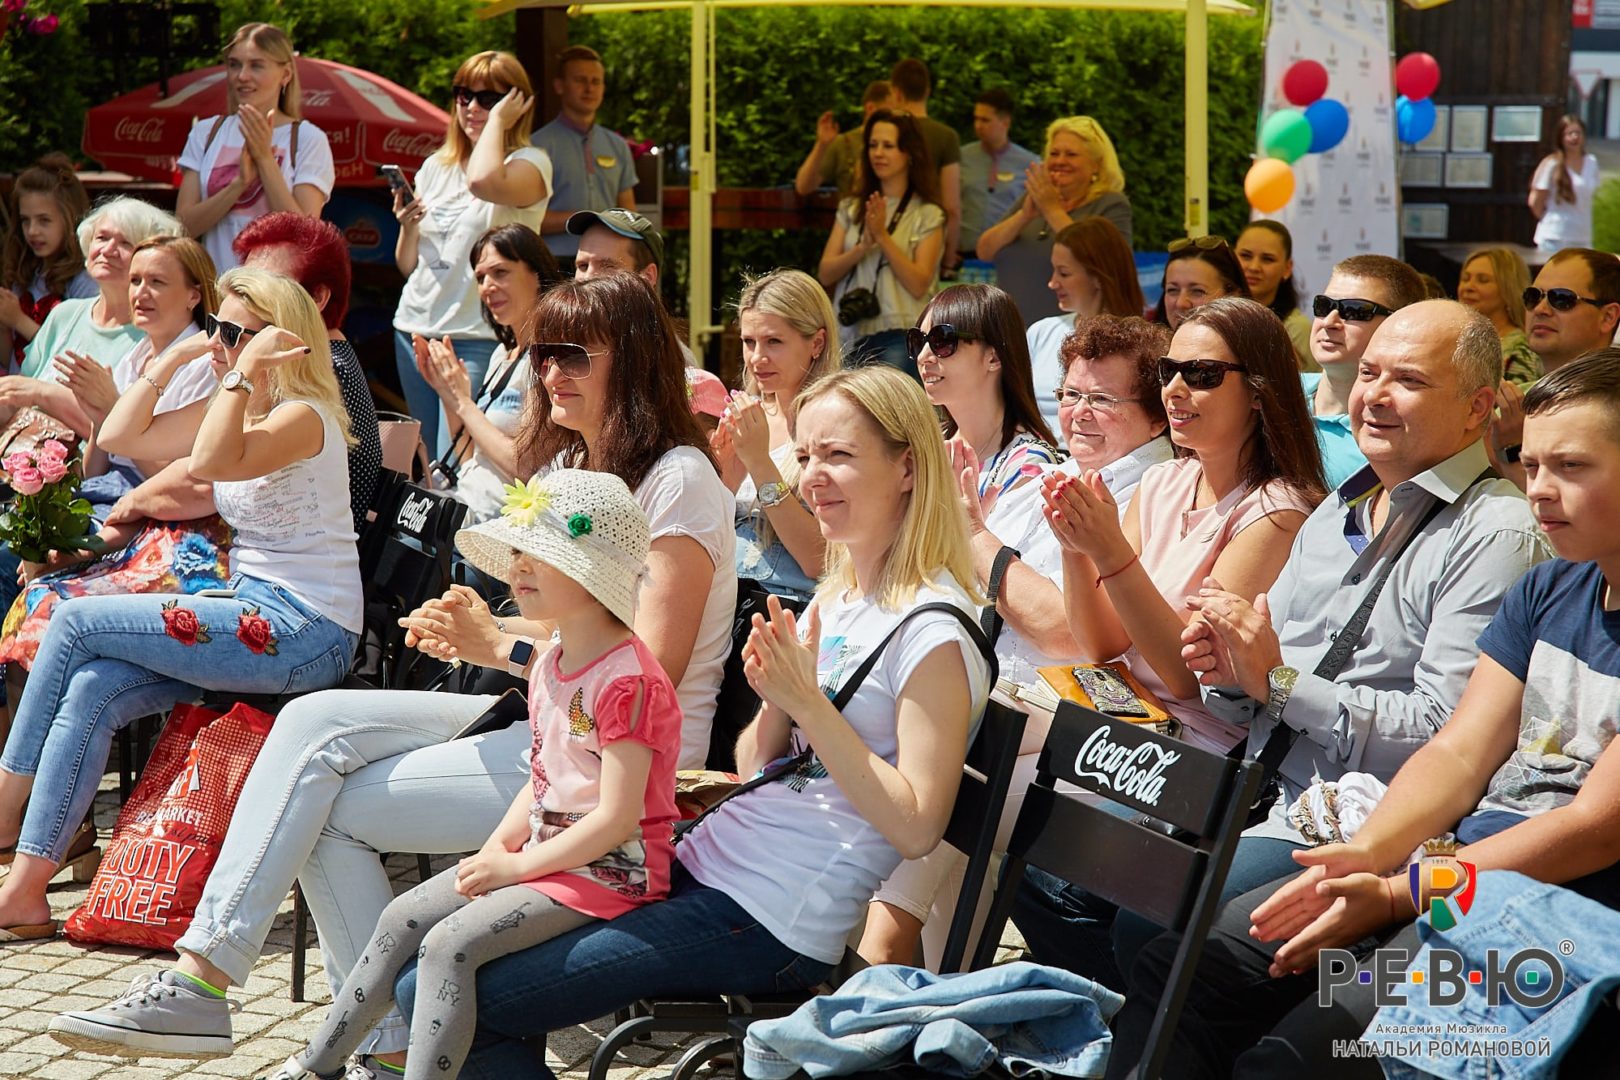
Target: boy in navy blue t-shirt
<point x="1519" y="771"/>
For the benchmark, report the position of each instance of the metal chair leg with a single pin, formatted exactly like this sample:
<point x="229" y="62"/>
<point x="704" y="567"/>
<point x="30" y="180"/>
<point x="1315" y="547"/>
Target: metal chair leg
<point x="617" y="1039"/>
<point x="300" y="944"/>
<point x="423" y="867"/>
<point x="703" y="1052"/>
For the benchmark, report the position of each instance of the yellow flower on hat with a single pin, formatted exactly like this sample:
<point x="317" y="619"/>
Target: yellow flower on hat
<point x="526" y="501"/>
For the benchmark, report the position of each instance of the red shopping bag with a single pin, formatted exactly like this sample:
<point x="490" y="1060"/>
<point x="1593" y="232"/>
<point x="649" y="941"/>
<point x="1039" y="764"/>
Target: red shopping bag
<point x="170" y="831"/>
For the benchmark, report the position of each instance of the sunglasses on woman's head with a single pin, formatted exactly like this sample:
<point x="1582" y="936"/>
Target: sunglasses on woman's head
<point x="574" y="361"/>
<point x="1202" y="243"/>
<point x="487" y="99"/>
<point x="1197" y="374"/>
<point x="1349" y="309"/>
<point x="1557" y="299"/>
<point x="229" y="333"/>
<point x="942" y="339"/>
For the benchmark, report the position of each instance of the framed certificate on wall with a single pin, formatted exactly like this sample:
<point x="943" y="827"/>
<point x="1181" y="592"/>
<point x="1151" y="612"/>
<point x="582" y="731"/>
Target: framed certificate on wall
<point x="1425" y="221"/>
<point x="1422" y="170"/>
<point x="1435" y="140"/>
<point x="1468" y="128"/>
<point x="1468" y="170"/>
<point x="1516" y="123"/>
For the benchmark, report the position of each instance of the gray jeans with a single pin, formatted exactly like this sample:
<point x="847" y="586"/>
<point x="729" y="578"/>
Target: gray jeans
<point x="451" y="937"/>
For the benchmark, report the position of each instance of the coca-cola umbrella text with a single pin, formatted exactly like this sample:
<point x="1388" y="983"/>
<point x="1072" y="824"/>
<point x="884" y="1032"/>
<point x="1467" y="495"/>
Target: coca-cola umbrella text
<point x="368" y="120"/>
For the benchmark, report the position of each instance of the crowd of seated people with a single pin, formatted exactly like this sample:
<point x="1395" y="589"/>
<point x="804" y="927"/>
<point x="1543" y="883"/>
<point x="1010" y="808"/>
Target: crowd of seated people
<point x="815" y="577"/>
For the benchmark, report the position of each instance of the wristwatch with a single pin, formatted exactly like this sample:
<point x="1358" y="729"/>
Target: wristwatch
<point x="235" y="380"/>
<point x="1510" y="454"/>
<point x="522" y="652"/>
<point x="1280" y="680"/>
<point x="773" y="494"/>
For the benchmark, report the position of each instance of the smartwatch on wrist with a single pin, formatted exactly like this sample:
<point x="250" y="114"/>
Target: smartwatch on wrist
<point x="518" y="659"/>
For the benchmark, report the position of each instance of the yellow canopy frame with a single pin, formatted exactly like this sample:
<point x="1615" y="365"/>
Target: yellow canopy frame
<point x="700" y="293"/>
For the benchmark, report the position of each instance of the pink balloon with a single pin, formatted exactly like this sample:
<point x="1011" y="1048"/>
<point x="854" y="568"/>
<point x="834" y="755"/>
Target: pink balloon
<point x="1417" y="75"/>
<point x="1304" y="82"/>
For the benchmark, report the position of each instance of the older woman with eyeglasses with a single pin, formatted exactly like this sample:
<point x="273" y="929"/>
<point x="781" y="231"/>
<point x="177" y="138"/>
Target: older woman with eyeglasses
<point x="1077" y="177"/>
<point x="1246" y="475"/>
<point x="484" y="176"/>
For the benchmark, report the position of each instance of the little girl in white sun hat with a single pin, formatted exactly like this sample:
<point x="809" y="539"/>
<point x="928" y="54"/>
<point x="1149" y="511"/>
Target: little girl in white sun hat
<point x="607" y="732"/>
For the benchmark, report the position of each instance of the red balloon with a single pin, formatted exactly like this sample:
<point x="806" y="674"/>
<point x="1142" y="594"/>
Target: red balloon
<point x="1417" y="75"/>
<point x="1304" y="82"/>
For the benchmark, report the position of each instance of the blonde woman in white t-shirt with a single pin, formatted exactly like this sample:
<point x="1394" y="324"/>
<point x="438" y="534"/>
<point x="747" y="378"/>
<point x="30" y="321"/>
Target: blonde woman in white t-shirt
<point x="485" y="175"/>
<point x="261" y="155"/>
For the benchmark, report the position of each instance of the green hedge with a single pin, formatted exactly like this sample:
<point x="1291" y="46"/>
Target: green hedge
<point x="777" y="70"/>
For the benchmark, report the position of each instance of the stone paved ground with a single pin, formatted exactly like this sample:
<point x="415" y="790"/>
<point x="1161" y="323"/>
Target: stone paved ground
<point x="38" y="981"/>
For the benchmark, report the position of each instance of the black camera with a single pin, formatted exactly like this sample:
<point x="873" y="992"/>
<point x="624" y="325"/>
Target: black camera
<point x="858" y="304"/>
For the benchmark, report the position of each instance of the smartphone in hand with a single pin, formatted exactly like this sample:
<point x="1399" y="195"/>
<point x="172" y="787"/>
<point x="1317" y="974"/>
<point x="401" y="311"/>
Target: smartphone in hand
<point x="396" y="180"/>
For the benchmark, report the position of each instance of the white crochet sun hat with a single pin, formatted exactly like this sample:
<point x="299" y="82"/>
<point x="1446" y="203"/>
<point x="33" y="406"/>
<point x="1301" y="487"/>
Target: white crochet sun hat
<point x="585" y="524"/>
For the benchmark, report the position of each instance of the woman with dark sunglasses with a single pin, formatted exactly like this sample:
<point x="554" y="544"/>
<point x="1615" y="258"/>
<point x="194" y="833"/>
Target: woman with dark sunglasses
<point x="484" y="176"/>
<point x="973" y="359"/>
<point x="1246" y="475"/>
<point x="1200" y="269"/>
<point x="274" y="440"/>
<point x="346" y="774"/>
<point x="513" y="270"/>
<point x="258" y="158"/>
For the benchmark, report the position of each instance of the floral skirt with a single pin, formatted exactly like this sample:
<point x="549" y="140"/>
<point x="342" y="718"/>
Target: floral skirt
<point x="168" y="557"/>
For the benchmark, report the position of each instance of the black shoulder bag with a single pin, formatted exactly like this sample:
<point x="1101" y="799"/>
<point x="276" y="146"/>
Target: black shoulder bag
<point x="845" y="694"/>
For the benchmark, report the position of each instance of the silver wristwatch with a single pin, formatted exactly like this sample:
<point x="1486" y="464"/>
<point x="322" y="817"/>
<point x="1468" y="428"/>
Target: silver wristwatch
<point x="1280" y="682"/>
<point x="773" y="494"/>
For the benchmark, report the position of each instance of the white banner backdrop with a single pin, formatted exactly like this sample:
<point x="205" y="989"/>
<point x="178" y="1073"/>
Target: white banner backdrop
<point x="1345" y="201"/>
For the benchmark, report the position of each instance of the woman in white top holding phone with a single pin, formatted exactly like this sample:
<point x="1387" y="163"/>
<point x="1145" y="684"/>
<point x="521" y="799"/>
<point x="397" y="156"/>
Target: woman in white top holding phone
<point x="485" y="175"/>
<point x="261" y="155"/>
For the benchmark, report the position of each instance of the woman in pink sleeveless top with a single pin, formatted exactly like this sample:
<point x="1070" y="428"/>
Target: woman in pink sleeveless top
<point x="1247" y="473"/>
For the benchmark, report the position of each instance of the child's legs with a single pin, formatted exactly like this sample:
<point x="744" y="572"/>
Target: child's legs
<point x="498" y="924"/>
<point x="368" y="993"/>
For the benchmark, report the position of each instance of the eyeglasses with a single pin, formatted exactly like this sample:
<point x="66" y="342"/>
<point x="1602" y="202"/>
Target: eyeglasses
<point x="1202" y="243"/>
<point x="1558" y="299"/>
<point x="229" y="333"/>
<point x="487" y="99"/>
<point x="1103" y="403"/>
<point x="574" y="361"/>
<point x="942" y="339"/>
<point x="1197" y="374"/>
<point x="1349" y="309"/>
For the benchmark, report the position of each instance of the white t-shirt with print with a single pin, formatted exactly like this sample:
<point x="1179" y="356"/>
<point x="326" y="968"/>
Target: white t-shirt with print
<point x="192" y="383"/>
<point x="216" y="163"/>
<point x="441" y="297"/>
<point x="795" y="853"/>
<point x="682" y="495"/>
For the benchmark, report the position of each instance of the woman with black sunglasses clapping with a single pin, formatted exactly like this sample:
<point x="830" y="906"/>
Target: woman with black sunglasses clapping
<point x="1246" y="475"/>
<point x="485" y="175"/>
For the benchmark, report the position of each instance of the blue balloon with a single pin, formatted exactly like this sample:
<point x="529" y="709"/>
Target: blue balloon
<point x="1414" y="119"/>
<point x="1329" y="121"/>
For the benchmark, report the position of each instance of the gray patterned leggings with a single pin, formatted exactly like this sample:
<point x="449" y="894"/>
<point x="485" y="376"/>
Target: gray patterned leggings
<point x="452" y="937"/>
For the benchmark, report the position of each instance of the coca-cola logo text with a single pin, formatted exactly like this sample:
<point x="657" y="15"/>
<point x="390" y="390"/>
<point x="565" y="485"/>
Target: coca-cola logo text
<point x="128" y="129"/>
<point x="419" y="145"/>
<point x="362" y="235"/>
<point x="1137" y="772"/>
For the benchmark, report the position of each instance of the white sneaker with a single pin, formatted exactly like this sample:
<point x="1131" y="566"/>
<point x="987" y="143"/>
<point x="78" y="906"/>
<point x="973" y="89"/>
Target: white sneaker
<point x="160" y="1015"/>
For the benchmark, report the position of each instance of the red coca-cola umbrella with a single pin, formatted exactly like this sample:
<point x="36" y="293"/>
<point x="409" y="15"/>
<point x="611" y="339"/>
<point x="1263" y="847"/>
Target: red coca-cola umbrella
<point x="368" y="120"/>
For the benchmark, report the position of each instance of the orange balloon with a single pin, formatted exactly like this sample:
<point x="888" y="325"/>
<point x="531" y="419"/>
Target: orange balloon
<point x="1269" y="185"/>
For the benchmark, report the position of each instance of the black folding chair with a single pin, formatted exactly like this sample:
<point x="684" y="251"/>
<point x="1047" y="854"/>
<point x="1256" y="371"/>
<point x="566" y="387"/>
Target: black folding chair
<point x="1173" y="878"/>
<point x="971" y="830"/>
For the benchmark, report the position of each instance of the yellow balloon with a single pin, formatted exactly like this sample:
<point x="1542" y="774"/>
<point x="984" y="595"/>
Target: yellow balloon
<point x="1269" y="185"/>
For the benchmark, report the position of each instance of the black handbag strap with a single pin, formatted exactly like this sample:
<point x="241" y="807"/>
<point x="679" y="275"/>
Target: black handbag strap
<point x="845" y="694"/>
<point x="990" y="620"/>
<point x="1283" y="736"/>
<point x="450" y="464"/>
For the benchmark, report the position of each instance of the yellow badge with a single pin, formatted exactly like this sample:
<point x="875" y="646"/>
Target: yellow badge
<point x="1004" y="177"/>
<point x="606" y="161"/>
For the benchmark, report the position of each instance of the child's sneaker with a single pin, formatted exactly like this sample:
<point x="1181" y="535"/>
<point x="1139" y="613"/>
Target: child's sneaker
<point x="160" y="1015"/>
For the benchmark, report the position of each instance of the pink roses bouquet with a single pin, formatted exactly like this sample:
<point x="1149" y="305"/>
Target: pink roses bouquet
<point x="46" y="514"/>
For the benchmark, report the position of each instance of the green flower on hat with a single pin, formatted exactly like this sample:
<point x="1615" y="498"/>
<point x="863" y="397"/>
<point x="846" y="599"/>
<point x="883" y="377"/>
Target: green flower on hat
<point x="579" y="525"/>
<point x="526" y="501"/>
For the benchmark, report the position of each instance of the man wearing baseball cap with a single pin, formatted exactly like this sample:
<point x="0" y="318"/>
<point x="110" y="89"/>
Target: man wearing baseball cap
<point x="619" y="239"/>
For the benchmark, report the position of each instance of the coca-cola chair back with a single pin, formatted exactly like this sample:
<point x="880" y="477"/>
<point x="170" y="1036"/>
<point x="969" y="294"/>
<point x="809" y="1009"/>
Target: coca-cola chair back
<point x="405" y="560"/>
<point x="1164" y="855"/>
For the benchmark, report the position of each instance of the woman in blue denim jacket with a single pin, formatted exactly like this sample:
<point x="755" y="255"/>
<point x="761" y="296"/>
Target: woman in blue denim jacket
<point x="274" y="440"/>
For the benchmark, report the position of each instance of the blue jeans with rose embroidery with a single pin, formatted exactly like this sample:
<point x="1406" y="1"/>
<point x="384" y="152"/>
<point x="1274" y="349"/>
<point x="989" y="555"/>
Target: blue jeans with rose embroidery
<point x="107" y="660"/>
